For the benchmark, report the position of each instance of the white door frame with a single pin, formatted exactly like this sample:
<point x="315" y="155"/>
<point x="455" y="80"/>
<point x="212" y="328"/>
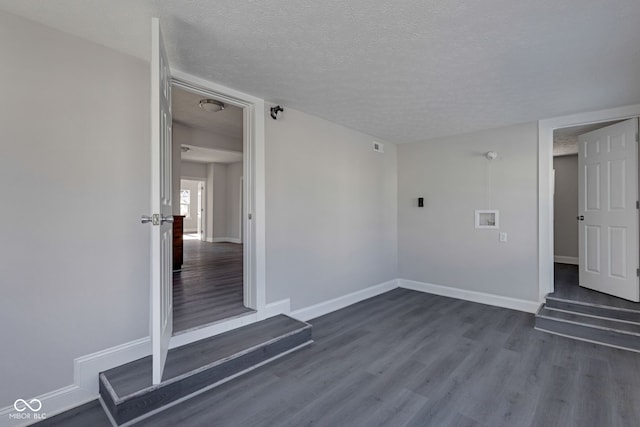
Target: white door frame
<point x="545" y="182"/>
<point x="203" y="183"/>
<point x="254" y="182"/>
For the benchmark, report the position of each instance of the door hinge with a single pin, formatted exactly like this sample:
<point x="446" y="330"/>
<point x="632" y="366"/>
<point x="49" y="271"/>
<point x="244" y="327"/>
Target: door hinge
<point x="637" y="204"/>
<point x="638" y="272"/>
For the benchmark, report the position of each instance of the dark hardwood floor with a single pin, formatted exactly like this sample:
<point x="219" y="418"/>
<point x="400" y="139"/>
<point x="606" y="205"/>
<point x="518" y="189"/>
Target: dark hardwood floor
<point x="566" y="286"/>
<point x="407" y="358"/>
<point x="209" y="286"/>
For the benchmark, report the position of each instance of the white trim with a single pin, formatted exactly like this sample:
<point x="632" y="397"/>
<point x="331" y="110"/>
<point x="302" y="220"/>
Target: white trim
<point x="545" y="188"/>
<point x="87" y="368"/>
<point x="275" y="308"/>
<point x="226" y="239"/>
<point x="53" y="403"/>
<point x="566" y="259"/>
<point x="332" y="305"/>
<point x="216" y="328"/>
<point x="463" y="294"/>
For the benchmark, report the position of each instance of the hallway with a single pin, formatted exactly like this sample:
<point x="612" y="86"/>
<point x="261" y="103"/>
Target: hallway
<point x="209" y="286"/>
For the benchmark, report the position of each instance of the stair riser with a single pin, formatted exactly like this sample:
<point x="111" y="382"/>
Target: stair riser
<point x="127" y="409"/>
<point x="588" y="333"/>
<point x="604" y="312"/>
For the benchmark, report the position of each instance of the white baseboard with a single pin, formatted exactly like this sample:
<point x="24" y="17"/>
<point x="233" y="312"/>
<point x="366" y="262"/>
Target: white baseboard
<point x="53" y="403"/>
<point x="87" y="368"/>
<point x="481" y="297"/>
<point x="275" y="308"/>
<point x="566" y="260"/>
<point x="225" y="239"/>
<point x="326" y="307"/>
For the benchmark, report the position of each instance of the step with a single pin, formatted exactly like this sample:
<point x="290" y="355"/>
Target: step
<point x="609" y="332"/>
<point x="604" y="311"/>
<point x="127" y="391"/>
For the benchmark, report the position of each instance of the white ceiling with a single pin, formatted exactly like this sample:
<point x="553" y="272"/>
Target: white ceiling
<point x="401" y="71"/>
<point x="208" y="155"/>
<point x="185" y="109"/>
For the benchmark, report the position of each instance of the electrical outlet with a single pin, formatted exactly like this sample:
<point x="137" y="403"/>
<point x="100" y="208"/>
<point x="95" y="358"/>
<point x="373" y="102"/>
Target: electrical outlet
<point x="503" y="236"/>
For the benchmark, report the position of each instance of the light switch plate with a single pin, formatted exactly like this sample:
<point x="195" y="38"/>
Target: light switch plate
<point x="503" y="236"/>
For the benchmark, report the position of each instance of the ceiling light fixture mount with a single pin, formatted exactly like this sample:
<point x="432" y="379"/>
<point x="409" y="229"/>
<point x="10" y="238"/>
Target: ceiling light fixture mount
<point x="276" y="112"/>
<point x="211" y="105"/>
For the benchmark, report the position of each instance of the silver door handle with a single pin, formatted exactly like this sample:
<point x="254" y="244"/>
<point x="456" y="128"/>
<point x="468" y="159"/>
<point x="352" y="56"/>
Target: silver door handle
<point x="581" y="218"/>
<point x="145" y="219"/>
<point x="164" y="219"/>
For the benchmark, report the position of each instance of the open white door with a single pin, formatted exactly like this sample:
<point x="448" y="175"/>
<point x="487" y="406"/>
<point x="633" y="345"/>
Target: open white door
<point x="607" y="210"/>
<point x="161" y="240"/>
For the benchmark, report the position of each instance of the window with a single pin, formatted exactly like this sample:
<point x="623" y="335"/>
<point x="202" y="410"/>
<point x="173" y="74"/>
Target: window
<point x="185" y="203"/>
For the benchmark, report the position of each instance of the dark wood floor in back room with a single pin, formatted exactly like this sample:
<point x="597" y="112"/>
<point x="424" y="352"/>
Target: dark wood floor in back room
<point x="406" y="358"/>
<point x="209" y="286"/>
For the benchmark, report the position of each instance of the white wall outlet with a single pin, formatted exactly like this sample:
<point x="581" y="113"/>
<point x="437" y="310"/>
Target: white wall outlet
<point x="503" y="236"/>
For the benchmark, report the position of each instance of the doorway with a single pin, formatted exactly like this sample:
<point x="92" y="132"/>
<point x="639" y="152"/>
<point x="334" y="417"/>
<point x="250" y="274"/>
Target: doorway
<point x="595" y="220"/>
<point x="208" y="163"/>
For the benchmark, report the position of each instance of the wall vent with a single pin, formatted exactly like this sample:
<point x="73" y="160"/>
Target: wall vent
<point x="377" y="146"/>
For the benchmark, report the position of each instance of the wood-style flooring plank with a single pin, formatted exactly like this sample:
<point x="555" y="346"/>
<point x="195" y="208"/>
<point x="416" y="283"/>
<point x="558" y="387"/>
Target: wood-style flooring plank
<point x="209" y="287"/>
<point x="406" y="358"/>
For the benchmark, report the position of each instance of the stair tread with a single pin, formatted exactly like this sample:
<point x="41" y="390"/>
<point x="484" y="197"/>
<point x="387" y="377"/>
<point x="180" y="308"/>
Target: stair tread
<point x="593" y="309"/>
<point x="611" y="324"/>
<point x="136" y="376"/>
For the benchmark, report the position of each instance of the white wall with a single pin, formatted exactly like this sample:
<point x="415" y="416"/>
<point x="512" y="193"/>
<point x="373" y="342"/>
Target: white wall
<point x="331" y="210"/>
<point x="190" y="224"/>
<point x="74" y="180"/>
<point x="438" y="244"/>
<point x="565" y="206"/>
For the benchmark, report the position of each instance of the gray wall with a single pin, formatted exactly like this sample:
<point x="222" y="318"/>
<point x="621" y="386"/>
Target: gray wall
<point x="331" y="210"/>
<point x="192" y="170"/>
<point x="74" y="180"/>
<point x="438" y="244"/>
<point x="202" y="138"/>
<point x="219" y="198"/>
<point x="565" y="206"/>
<point x="233" y="203"/>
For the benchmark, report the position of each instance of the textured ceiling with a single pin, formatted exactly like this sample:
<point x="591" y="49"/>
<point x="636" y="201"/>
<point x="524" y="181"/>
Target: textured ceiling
<point x="402" y="71"/>
<point x="185" y="109"/>
<point x="565" y="140"/>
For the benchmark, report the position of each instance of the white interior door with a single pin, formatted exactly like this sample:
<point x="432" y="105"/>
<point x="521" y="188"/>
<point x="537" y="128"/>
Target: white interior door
<point x="161" y="191"/>
<point x="608" y="216"/>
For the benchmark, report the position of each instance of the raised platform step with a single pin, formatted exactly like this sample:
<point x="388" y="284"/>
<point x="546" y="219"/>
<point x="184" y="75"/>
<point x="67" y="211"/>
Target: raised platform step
<point x="127" y="391"/>
<point x="586" y="327"/>
<point x="598" y="310"/>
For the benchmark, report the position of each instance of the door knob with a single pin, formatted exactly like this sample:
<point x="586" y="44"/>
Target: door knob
<point x="164" y="219"/>
<point x="581" y="218"/>
<point x="145" y="219"/>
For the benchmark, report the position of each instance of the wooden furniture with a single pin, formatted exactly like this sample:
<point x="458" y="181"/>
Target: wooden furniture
<point x="177" y="241"/>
